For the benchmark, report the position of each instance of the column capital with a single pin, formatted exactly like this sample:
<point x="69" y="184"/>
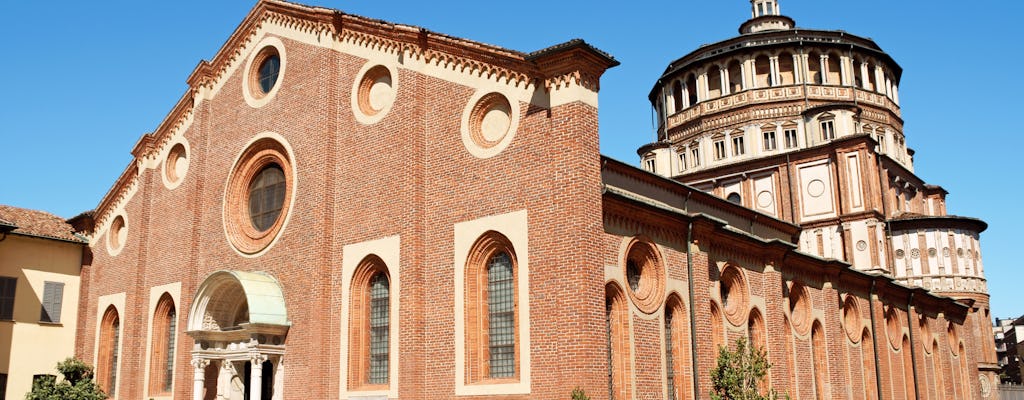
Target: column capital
<point x="257" y="359"/>
<point x="200" y="363"/>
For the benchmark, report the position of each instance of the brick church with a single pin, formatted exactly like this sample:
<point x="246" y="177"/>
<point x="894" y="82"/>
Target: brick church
<point x="342" y="207"/>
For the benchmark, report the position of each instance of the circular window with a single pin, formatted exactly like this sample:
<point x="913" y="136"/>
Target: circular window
<point x="960" y="252"/>
<point x="915" y="253"/>
<point x="258" y="195"/>
<point x="852" y="322"/>
<point x="645" y="275"/>
<point x="932" y="252"/>
<point x="900" y="253"/>
<point x="175" y="165"/>
<point x="893" y="327"/>
<point x="117" y="235"/>
<point x="266" y="197"/>
<point x="373" y="93"/>
<point x="800" y="309"/>
<point x="732" y="290"/>
<point x="264" y="71"/>
<point x="488" y="124"/>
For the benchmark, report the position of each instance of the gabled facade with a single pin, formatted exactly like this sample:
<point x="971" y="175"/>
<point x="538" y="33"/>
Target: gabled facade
<point x="322" y="214"/>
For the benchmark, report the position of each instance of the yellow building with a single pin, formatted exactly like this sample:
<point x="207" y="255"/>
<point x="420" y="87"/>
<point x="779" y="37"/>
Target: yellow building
<point x="40" y="260"/>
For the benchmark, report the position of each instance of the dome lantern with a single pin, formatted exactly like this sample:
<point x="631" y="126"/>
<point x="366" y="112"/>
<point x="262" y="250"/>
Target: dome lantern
<point x="765" y="15"/>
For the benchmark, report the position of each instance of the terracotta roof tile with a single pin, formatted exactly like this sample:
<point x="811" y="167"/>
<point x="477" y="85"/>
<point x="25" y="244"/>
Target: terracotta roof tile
<point x="38" y="223"/>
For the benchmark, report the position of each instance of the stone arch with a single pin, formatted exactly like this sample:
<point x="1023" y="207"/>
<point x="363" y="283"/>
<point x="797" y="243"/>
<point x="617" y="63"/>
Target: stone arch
<point x="763" y="71"/>
<point x="735" y="76"/>
<point x="690" y="85"/>
<point x="228" y="299"/>
<point x="814" y="68"/>
<point x="714" y="74"/>
<point x="787" y="70"/>
<point x="677" y="96"/>
<point x="835" y="70"/>
<point x="239" y="322"/>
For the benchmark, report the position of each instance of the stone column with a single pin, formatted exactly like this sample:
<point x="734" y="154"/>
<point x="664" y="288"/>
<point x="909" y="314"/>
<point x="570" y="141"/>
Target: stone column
<point x="198" y="377"/>
<point x="723" y="75"/>
<point x="864" y="75"/>
<point x="279" y="380"/>
<point x="749" y="78"/>
<point x="256" y="376"/>
<point x="773" y="74"/>
<point x="844" y="73"/>
<point x="823" y="67"/>
<point x="799" y="70"/>
<point x="702" y="87"/>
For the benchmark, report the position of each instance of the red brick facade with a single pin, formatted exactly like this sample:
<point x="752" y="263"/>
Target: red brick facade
<point x="409" y="173"/>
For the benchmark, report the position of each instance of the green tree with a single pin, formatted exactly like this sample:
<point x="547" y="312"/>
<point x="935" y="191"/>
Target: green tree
<point x="739" y="373"/>
<point x="77" y="384"/>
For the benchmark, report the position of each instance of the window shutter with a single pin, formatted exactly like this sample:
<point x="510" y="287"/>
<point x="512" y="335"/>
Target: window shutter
<point x="7" y="286"/>
<point x="53" y="296"/>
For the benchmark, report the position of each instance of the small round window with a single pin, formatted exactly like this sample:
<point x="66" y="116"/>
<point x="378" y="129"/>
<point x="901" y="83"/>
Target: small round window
<point x="266" y="197"/>
<point x="117" y="235"/>
<point x="264" y="71"/>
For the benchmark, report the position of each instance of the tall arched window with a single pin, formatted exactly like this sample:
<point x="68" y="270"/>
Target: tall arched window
<point x="676" y="348"/>
<point x="717" y="330"/>
<point x="965" y="372"/>
<point x="617" y="323"/>
<point x="787" y="331"/>
<point x="501" y="315"/>
<point x="908" y="369"/>
<point x="161" y="366"/>
<point x="758" y="340"/>
<point x="370" y="325"/>
<point x="819" y="360"/>
<point x="868" y="359"/>
<point x="492" y="318"/>
<point x="937" y="383"/>
<point x="106" y="361"/>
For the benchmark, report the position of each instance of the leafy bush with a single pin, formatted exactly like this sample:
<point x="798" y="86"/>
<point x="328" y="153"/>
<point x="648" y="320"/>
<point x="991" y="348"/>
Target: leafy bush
<point x="739" y="374"/>
<point x="76" y="385"/>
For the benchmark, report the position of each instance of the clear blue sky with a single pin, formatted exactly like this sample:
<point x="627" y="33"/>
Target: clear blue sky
<point x="83" y="80"/>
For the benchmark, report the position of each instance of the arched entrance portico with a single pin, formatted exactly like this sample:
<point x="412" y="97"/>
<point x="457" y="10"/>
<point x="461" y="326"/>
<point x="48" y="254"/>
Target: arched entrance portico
<point x="238" y="321"/>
